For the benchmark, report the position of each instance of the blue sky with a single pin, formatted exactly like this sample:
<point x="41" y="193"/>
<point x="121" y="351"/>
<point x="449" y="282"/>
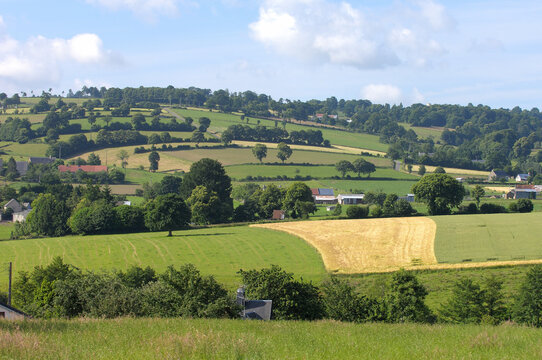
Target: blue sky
<point x="430" y="51"/>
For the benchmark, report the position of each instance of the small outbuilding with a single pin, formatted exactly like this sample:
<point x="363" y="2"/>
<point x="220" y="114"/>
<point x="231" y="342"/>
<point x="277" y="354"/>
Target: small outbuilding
<point x="253" y="309"/>
<point x="10" y="313"/>
<point x="278" y="215"/>
<point x="350" y="199"/>
<point x="522" y="177"/>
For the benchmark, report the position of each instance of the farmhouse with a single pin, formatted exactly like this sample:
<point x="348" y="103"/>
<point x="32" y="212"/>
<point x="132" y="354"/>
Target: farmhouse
<point x="14" y="205"/>
<point x="350" y="199"/>
<point x="522" y="177"/>
<point x="84" y="168"/>
<point x="22" y="167"/>
<point x="21" y="216"/>
<point x="10" y="313"/>
<point x="498" y="175"/>
<point x="253" y="309"/>
<point x="323" y="196"/>
<point x="41" y="160"/>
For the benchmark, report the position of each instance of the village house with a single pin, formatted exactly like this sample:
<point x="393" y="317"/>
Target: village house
<point x="253" y="309"/>
<point x="21" y="216"/>
<point x="10" y="313"/>
<point x="522" y="177"/>
<point x="14" y="205"/>
<point x="498" y="175"/>
<point x="22" y="167"/>
<point x="323" y="196"/>
<point x="350" y="199"/>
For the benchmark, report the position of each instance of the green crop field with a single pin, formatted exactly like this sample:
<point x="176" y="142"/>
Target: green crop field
<point x="220" y="121"/>
<point x="236" y="156"/>
<point x="237" y="339"/>
<point x="22" y="151"/>
<point x="241" y="171"/>
<point x="488" y="237"/>
<point x="215" y="251"/>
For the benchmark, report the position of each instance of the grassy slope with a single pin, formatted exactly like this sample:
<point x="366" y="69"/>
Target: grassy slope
<point x="220" y="121"/>
<point x="497" y="236"/>
<point x="237" y="339"/>
<point x="215" y="251"/>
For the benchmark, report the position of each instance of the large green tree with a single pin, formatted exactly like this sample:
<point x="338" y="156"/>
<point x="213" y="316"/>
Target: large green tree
<point x="204" y="205"/>
<point x="440" y="192"/>
<point x="211" y="174"/>
<point x="259" y="151"/>
<point x="154" y="158"/>
<point x="362" y="166"/>
<point x="167" y="213"/>
<point x="344" y="166"/>
<point x="405" y="301"/>
<point x="298" y="200"/>
<point x="49" y="216"/>
<point x="477" y="193"/>
<point x="528" y="305"/>
<point x="271" y="198"/>
<point x="284" y="151"/>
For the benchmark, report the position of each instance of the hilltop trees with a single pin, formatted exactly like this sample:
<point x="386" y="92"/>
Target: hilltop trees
<point x="440" y="192"/>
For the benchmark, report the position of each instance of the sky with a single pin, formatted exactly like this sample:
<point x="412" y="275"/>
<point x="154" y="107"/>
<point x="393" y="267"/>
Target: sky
<point x="387" y="51"/>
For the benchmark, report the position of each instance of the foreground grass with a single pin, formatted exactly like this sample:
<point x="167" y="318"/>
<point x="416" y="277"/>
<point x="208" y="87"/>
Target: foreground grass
<point x="215" y="251"/>
<point x="238" y="339"/>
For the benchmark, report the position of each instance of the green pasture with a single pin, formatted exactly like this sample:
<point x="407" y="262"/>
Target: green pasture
<point x="178" y="338"/>
<point x="478" y="238"/>
<point x="22" y="151"/>
<point x="24" y="114"/>
<point x="219" y="251"/>
<point x="322" y="171"/>
<point x="399" y="187"/>
<point x="220" y="121"/>
<point x="236" y="156"/>
<point x="136" y="176"/>
<point x="424" y="132"/>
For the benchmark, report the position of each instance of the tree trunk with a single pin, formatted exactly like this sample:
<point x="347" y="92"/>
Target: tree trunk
<point x="170" y="234"/>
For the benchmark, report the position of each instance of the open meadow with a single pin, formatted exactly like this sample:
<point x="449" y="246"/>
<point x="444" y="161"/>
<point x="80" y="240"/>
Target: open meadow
<point x="214" y="251"/>
<point x="237" y="339"/>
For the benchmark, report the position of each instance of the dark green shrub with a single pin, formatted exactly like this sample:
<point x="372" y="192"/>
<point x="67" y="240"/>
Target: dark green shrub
<point x="357" y="212"/>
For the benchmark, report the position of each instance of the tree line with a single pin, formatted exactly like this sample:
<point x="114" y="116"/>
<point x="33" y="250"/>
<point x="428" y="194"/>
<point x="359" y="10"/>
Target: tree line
<point x="61" y="290"/>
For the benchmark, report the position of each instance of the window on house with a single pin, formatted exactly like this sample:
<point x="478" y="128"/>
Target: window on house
<point x="2" y="315"/>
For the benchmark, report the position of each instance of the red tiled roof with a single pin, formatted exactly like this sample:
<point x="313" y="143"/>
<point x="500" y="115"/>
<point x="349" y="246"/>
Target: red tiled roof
<point x="525" y="187"/>
<point x="315" y="192"/>
<point x="85" y="168"/>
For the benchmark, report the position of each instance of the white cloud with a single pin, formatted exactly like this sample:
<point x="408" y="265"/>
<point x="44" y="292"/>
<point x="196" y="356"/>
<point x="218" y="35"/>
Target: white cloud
<point x="337" y="33"/>
<point x="147" y="9"/>
<point x="390" y="94"/>
<point x="39" y="60"/>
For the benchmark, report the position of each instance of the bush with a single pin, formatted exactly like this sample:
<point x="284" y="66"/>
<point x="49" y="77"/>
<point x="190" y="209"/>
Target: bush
<point x="522" y="206"/>
<point x="471" y="208"/>
<point x="357" y="212"/>
<point x="376" y="211"/>
<point x="130" y="219"/>
<point x="489" y="208"/>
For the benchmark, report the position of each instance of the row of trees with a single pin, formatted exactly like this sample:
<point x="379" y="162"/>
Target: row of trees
<point x="60" y="290"/>
<point x="275" y="135"/>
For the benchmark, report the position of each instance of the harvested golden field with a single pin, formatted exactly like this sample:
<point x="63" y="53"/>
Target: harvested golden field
<point x="167" y="161"/>
<point x="368" y="245"/>
<point x="332" y="149"/>
<point x="453" y="171"/>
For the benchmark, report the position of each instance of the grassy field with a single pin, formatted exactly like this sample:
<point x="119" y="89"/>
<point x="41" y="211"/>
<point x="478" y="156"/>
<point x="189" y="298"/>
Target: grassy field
<point x="369" y="245"/>
<point x="215" y="251"/>
<point x="220" y="121"/>
<point x="424" y="132"/>
<point x="241" y="171"/>
<point x="237" y="339"/>
<point x="496" y="237"/>
<point x="22" y="151"/>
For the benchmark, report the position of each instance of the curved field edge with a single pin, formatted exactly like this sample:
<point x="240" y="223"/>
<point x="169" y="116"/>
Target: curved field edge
<point x="236" y="339"/>
<point x="217" y="251"/>
<point x="368" y="245"/>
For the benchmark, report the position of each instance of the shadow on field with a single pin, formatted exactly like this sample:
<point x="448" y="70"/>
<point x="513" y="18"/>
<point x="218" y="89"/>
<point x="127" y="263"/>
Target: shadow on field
<point x="192" y="235"/>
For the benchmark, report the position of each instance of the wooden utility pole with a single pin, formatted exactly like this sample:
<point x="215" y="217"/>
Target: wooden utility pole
<point x="9" y="290"/>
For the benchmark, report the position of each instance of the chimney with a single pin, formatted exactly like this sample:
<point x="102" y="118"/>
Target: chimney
<point x="241" y="299"/>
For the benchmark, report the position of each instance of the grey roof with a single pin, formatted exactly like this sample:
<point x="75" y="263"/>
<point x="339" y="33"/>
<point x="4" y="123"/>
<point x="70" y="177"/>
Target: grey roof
<point x="22" y="167"/>
<point x="13" y="204"/>
<point x="500" y="173"/>
<point x="258" y="309"/>
<point x="325" y="192"/>
<point x="41" y="160"/>
<point x="14" y="310"/>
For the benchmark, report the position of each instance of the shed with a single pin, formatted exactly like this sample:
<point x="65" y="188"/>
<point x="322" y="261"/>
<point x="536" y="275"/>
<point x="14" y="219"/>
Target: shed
<point x="522" y="177"/>
<point x="253" y="309"/>
<point x="10" y="313"/>
<point x="408" y="197"/>
<point x="278" y="215"/>
<point x="525" y="192"/>
<point x="350" y="199"/>
<point x="13" y="205"/>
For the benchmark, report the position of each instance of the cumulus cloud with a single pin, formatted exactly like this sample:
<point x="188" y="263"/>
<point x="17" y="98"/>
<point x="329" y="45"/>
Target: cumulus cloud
<point x="148" y="9"/>
<point x="339" y="33"/>
<point x="390" y="94"/>
<point x="39" y="60"/>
